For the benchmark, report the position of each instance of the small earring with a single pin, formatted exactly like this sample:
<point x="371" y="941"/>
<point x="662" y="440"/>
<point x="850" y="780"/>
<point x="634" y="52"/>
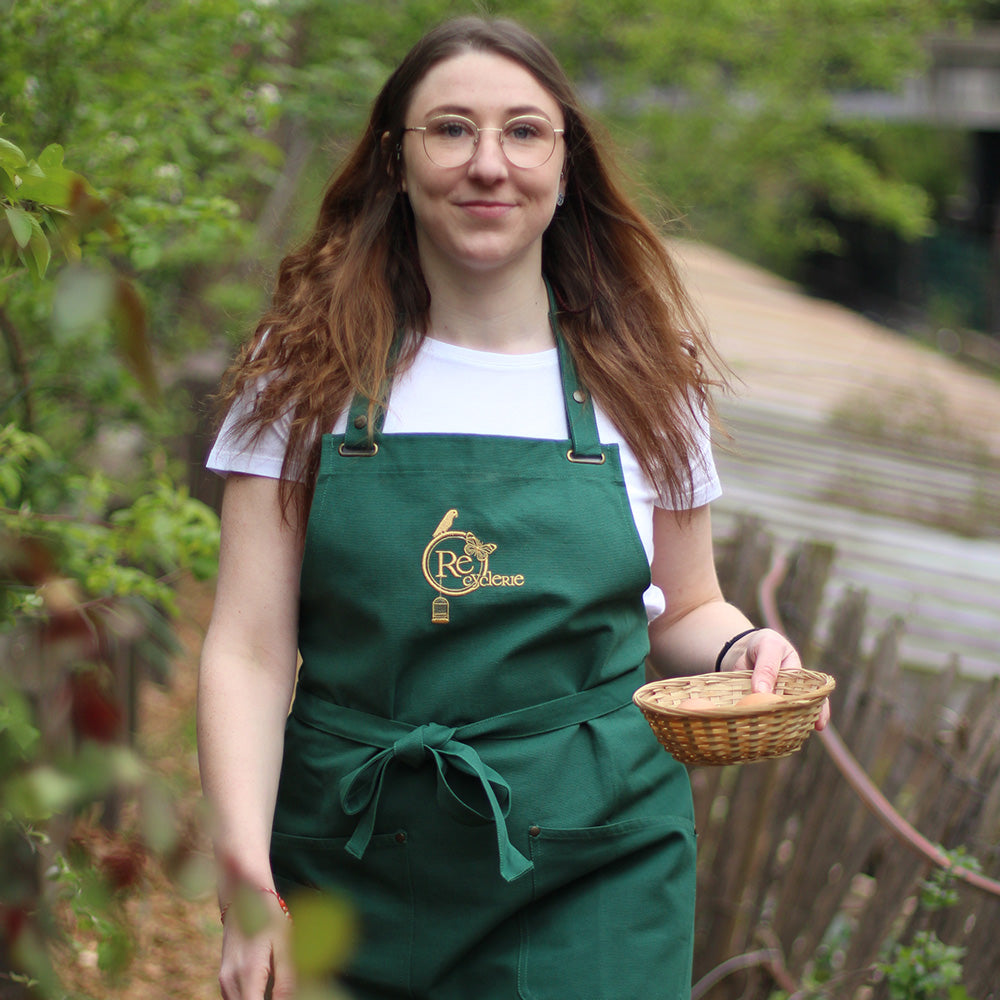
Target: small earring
<point x="560" y="198"/>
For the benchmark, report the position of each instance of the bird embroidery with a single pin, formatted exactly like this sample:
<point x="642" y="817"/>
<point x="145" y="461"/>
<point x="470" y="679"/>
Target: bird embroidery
<point x="445" y="524"/>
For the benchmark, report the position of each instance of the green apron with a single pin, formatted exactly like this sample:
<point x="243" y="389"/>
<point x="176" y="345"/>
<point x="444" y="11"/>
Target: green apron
<point x="463" y="757"/>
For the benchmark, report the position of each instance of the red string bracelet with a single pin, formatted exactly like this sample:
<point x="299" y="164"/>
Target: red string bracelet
<point x="261" y="888"/>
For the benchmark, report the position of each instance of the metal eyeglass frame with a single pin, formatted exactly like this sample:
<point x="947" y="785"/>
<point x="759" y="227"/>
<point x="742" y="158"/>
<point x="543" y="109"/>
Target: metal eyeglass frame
<point x="475" y="142"/>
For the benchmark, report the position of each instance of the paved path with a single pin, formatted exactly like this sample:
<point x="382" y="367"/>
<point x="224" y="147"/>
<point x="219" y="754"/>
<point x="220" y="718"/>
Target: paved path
<point x="811" y="356"/>
<point x="800" y="361"/>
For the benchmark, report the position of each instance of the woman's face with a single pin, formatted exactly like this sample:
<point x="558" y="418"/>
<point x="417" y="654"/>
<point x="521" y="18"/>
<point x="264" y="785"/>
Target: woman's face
<point x="487" y="213"/>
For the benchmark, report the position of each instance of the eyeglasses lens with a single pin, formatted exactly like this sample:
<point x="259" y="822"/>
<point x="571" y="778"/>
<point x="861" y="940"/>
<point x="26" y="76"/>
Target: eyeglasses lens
<point x="450" y="140"/>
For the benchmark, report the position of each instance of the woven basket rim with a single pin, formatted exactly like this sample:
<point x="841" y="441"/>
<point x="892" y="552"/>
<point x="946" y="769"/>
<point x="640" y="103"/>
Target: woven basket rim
<point x="726" y="733"/>
<point x="643" y="697"/>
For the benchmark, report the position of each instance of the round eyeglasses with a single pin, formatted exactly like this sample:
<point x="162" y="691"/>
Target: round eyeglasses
<point x="451" y="140"/>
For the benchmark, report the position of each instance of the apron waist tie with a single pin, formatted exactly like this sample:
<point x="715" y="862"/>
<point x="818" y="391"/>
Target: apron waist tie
<point x="361" y="789"/>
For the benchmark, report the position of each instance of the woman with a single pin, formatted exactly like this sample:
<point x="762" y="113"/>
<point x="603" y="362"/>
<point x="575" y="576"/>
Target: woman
<point x="468" y="482"/>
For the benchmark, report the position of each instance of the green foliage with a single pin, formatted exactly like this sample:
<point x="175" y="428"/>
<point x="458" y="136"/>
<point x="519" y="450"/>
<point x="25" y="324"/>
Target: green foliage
<point x="938" y="892"/>
<point x="87" y="561"/>
<point x="137" y="551"/>
<point x="35" y="194"/>
<point x="728" y="109"/>
<point x="926" y="968"/>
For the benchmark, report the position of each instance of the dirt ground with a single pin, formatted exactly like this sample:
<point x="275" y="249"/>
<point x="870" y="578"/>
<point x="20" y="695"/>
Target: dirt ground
<point x="790" y="351"/>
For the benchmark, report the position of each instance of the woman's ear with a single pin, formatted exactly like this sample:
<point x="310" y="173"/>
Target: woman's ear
<point x="398" y="154"/>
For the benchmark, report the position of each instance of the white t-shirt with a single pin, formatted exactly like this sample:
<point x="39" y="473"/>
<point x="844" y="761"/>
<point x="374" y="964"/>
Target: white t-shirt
<point x="457" y="390"/>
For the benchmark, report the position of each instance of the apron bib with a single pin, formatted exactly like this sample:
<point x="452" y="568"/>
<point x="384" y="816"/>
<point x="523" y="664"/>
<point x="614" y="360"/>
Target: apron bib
<point x="462" y="757"/>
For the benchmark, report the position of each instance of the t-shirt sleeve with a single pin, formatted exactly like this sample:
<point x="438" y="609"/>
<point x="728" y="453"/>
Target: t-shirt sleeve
<point x="705" y="485"/>
<point x="234" y="451"/>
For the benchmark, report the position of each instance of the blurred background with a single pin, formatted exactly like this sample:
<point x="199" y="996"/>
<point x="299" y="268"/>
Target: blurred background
<point x="157" y="158"/>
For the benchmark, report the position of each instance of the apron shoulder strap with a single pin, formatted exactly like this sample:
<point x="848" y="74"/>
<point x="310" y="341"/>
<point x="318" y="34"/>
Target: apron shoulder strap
<point x="580" y="416"/>
<point x="363" y="431"/>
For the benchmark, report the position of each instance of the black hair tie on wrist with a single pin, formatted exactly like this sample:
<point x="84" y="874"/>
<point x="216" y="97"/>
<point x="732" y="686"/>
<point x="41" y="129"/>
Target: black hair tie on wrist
<point x="729" y="645"/>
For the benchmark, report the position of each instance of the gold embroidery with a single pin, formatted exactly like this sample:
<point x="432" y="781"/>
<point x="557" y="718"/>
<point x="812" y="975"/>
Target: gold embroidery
<point x="445" y="523"/>
<point x="456" y="563"/>
<point x="477" y="549"/>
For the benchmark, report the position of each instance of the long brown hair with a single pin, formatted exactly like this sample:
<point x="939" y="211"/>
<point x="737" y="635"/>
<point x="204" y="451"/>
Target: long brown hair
<point x="342" y="296"/>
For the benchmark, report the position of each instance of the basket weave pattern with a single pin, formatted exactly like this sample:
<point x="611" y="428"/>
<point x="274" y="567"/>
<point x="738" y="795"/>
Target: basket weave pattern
<point x="727" y="733"/>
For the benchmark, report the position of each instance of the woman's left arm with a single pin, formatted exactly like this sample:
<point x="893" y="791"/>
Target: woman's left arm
<point x="688" y="637"/>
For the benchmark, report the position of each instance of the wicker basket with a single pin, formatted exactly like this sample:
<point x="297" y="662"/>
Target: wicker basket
<point x="727" y="733"/>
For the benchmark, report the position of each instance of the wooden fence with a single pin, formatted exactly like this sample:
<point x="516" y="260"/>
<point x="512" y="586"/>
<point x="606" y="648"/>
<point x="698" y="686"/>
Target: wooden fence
<point x="798" y="871"/>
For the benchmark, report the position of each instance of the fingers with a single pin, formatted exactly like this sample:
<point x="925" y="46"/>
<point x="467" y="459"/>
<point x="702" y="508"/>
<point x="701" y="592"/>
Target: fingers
<point x="246" y="967"/>
<point x="824" y="715"/>
<point x="257" y="967"/>
<point x="766" y="653"/>
<point x="283" y="972"/>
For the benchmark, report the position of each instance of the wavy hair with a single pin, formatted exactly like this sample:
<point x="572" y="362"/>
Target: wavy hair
<point x="341" y="297"/>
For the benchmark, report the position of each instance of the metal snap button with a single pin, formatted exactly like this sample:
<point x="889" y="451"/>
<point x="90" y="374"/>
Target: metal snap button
<point x="401" y="837"/>
<point x="534" y="831"/>
<point x="579" y="396"/>
<point x="360" y="421"/>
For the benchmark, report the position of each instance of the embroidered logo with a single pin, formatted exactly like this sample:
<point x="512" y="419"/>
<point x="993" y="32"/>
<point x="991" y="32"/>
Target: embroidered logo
<point x="456" y="563"/>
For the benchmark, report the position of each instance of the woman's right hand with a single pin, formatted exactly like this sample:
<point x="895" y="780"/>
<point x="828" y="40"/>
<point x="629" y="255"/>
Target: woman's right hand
<point x="257" y="966"/>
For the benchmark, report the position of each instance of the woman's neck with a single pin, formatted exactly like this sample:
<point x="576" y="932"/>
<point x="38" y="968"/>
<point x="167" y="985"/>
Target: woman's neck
<point x="489" y="313"/>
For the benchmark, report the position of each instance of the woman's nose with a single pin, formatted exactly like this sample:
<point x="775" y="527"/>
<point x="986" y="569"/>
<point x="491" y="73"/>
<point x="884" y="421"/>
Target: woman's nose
<point x="489" y="160"/>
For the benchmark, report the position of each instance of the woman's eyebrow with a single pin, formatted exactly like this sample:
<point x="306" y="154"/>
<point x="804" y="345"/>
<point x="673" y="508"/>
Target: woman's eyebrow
<point x="466" y="112"/>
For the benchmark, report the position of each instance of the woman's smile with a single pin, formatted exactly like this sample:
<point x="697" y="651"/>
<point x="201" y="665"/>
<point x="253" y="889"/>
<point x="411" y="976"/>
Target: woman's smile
<point x="487" y="209"/>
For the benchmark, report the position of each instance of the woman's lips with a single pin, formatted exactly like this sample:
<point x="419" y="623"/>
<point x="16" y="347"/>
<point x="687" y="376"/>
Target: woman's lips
<point x="486" y="209"/>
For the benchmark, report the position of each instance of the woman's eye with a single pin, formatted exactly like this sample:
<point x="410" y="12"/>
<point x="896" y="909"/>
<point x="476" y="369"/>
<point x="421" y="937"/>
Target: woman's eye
<point x="452" y="130"/>
<point x="522" y="132"/>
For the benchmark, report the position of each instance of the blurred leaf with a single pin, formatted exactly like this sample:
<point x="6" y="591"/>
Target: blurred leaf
<point x="324" y="934"/>
<point x="114" y="950"/>
<point x="31" y="954"/>
<point x="321" y="991"/>
<point x="84" y="299"/>
<point x="41" y="252"/>
<point x="146" y="254"/>
<point x="130" y="314"/>
<point x="158" y="817"/>
<point x="11" y="155"/>
<point x="8" y="183"/>
<point x="195" y="876"/>
<point x="51" y="158"/>
<point x="20" y="225"/>
<point x="250" y="907"/>
<point x="41" y="793"/>
<point x="95" y="712"/>
<point x="16" y="725"/>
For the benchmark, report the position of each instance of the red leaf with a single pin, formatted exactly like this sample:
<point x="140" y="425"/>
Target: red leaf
<point x="95" y="714"/>
<point x="122" y="866"/>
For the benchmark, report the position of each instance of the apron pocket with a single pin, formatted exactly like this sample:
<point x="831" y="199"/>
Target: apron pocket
<point x="612" y="916"/>
<point x="379" y="887"/>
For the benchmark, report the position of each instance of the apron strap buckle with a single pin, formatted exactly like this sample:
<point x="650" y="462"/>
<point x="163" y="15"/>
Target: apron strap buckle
<point x="366" y="451"/>
<point x="586" y="459"/>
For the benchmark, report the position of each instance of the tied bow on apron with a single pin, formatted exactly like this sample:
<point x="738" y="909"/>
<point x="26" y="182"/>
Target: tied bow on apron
<point x="488" y="800"/>
<point x="360" y="790"/>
